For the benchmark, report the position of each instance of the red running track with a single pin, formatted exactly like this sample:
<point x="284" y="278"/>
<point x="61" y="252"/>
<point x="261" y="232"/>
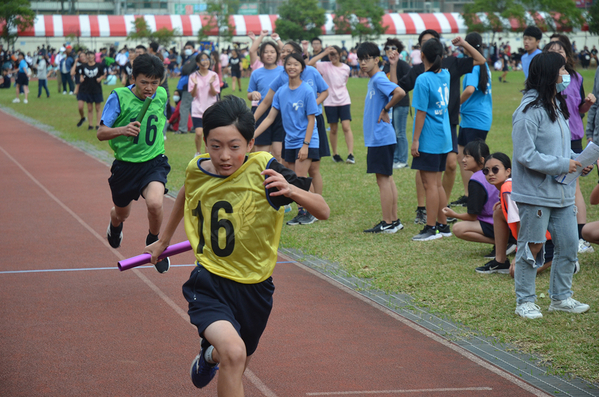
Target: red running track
<point x="71" y="327"/>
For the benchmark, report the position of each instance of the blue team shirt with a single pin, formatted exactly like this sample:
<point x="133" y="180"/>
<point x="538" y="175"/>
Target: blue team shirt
<point x="477" y="111"/>
<point x="295" y="106"/>
<point x="23" y="66"/>
<point x="310" y="76"/>
<point x="261" y="78"/>
<point x="431" y="95"/>
<point x="526" y="58"/>
<point x="380" y="90"/>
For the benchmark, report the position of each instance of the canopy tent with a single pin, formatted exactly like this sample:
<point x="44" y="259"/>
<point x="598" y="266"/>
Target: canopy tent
<point x="189" y="25"/>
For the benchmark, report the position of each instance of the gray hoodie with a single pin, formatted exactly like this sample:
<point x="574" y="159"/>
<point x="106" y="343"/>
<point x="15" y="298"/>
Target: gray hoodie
<point x="541" y="151"/>
<point x="593" y="118"/>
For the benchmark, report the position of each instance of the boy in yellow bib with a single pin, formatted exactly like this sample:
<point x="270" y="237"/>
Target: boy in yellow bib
<point x="233" y="206"/>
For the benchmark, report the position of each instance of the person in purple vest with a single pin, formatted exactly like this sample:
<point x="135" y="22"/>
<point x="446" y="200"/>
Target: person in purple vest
<point x="477" y="222"/>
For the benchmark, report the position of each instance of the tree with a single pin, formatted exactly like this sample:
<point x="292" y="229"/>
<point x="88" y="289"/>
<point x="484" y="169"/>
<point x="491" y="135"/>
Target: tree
<point x="15" y="15"/>
<point x="164" y="36"/>
<point x="218" y="14"/>
<point x="566" y="16"/>
<point x="300" y="19"/>
<point x="142" y="32"/>
<point x="362" y="19"/>
<point x="594" y="18"/>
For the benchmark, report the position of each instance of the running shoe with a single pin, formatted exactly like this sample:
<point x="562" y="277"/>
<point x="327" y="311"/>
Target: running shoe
<point x="397" y="225"/>
<point x="382" y="227"/>
<point x="114" y="235"/>
<point x="584" y="247"/>
<point x="426" y="234"/>
<point x="511" y="248"/>
<point x="337" y="158"/>
<point x="420" y="216"/>
<point x="25" y="101"/>
<point x="201" y="372"/>
<point x="529" y="310"/>
<point x="398" y="166"/>
<point x="461" y="202"/>
<point x="350" y="159"/>
<point x="568" y="305"/>
<point x="451" y="220"/>
<point x="307" y="219"/>
<point x="494" y="267"/>
<point x="162" y="265"/>
<point x="443" y="230"/>
<point x="491" y="255"/>
<point x="16" y="100"/>
<point x="295" y="221"/>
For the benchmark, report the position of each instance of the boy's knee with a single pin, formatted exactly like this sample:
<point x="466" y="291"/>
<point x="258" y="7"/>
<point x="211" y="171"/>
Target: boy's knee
<point x="233" y="353"/>
<point x="458" y="230"/>
<point x="535" y="248"/>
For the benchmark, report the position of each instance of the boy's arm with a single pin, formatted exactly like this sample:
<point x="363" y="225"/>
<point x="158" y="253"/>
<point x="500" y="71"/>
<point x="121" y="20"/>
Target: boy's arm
<point x="418" y="125"/>
<point x="398" y="95"/>
<point x="109" y="116"/>
<point x="312" y="202"/>
<point x="163" y="242"/>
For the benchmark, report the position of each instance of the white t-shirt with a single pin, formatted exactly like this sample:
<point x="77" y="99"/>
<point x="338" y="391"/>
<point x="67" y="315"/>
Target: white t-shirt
<point x="336" y="78"/>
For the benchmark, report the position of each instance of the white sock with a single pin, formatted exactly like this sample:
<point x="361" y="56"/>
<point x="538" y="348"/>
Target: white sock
<point x="208" y="355"/>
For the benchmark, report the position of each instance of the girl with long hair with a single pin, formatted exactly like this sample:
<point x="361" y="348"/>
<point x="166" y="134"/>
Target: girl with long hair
<point x="204" y="86"/>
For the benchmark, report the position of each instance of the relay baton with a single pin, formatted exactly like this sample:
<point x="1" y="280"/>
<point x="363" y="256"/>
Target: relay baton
<point x="144" y="109"/>
<point x="142" y="259"/>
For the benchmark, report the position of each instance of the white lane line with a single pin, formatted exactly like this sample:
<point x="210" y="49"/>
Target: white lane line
<point x="443" y="390"/>
<point x="248" y="373"/>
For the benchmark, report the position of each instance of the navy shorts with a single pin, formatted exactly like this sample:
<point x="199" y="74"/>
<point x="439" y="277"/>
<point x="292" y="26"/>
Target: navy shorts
<point x="379" y="160"/>
<point x="290" y="155"/>
<point x="197" y="122"/>
<point x="213" y="298"/>
<point x="454" y="138"/>
<point x="336" y="114"/>
<point x="489" y="231"/>
<point x="325" y="151"/>
<point x="236" y="73"/>
<point x="429" y="162"/>
<point x="468" y="135"/>
<point x="90" y="98"/>
<point x="22" y="79"/>
<point x="274" y="133"/>
<point x="576" y="145"/>
<point x="128" y="180"/>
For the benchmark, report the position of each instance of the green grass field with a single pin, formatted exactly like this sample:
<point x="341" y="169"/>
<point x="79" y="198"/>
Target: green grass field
<point x="440" y="274"/>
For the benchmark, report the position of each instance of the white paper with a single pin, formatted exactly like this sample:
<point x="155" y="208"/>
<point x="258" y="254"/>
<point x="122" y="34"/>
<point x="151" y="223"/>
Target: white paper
<point x="589" y="156"/>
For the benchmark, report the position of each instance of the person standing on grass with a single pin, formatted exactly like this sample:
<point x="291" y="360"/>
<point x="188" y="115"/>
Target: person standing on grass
<point x="230" y="291"/>
<point x="204" y="86"/>
<point x="140" y="167"/>
<point x="77" y="67"/>
<point x="42" y="75"/>
<point x="235" y="66"/>
<point x="531" y="39"/>
<point x="379" y="135"/>
<point x="90" y="90"/>
<point x="22" y="80"/>
<point x="337" y="105"/>
<point x="297" y="105"/>
<point x="541" y="151"/>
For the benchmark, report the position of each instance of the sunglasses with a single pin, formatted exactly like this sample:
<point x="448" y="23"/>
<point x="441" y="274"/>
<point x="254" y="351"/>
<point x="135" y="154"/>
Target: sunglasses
<point x="495" y="170"/>
<point x="387" y="48"/>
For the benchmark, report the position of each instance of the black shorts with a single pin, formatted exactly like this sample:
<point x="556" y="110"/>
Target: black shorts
<point x="549" y="247"/>
<point x="290" y="155"/>
<point x="213" y="298"/>
<point x="429" y="162"/>
<point x="468" y="135"/>
<point x="325" y="151"/>
<point x="454" y="138"/>
<point x="336" y="114"/>
<point x="128" y="180"/>
<point x="90" y="98"/>
<point x="197" y="122"/>
<point x="489" y="231"/>
<point x="236" y="73"/>
<point x="576" y="145"/>
<point x="22" y="79"/>
<point x="379" y="160"/>
<point x="274" y="133"/>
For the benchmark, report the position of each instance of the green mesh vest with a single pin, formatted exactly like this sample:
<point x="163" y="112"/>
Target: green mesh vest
<point x="150" y="141"/>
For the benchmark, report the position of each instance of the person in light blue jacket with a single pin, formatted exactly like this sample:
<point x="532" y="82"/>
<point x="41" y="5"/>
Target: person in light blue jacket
<point x="541" y="140"/>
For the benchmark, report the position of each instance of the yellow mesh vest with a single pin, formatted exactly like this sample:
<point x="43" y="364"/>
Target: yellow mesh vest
<point x="232" y="227"/>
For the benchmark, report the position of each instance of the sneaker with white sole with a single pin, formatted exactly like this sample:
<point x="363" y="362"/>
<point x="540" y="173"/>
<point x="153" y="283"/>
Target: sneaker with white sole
<point x="202" y="372"/>
<point x="420" y="216"/>
<point x="296" y="219"/>
<point x="307" y="219"/>
<point x="399" y="165"/>
<point x="568" y="305"/>
<point x="382" y="227"/>
<point x="337" y="158"/>
<point x="16" y="100"/>
<point x="350" y="159"/>
<point x="114" y="235"/>
<point x="576" y="267"/>
<point x="427" y="234"/>
<point x="397" y="225"/>
<point x="25" y="101"/>
<point x="529" y="310"/>
<point x="511" y="248"/>
<point x="494" y="267"/>
<point x="584" y="247"/>
<point x="444" y="230"/>
<point x="162" y="265"/>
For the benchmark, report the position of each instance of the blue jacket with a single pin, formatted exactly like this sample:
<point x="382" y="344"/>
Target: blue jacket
<point x="69" y="63"/>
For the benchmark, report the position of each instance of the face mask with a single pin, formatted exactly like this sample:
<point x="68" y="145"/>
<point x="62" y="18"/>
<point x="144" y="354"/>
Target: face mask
<point x="176" y="98"/>
<point x="188" y="52"/>
<point x="564" y="84"/>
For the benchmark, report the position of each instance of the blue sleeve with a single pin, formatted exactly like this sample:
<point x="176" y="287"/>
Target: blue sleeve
<point x="252" y="85"/>
<point x="112" y="110"/>
<point x="385" y="85"/>
<point x="310" y="101"/>
<point x="275" y="101"/>
<point x="321" y="85"/>
<point x="276" y="84"/>
<point x="472" y="79"/>
<point x="420" y="96"/>
<point x="182" y="83"/>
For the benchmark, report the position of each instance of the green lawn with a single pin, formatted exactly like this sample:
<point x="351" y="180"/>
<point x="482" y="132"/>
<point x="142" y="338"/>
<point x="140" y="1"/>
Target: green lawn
<point x="439" y="274"/>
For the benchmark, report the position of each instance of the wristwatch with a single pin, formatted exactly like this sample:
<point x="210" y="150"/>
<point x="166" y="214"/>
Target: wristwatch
<point x="307" y="143"/>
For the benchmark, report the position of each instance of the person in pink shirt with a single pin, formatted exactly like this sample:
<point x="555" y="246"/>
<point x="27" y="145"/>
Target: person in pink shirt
<point x="352" y="59"/>
<point x="415" y="56"/>
<point x="337" y="104"/>
<point x="204" y="86"/>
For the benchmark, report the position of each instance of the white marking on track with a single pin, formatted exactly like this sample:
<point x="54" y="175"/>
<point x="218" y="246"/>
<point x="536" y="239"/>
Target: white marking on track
<point x="442" y="390"/>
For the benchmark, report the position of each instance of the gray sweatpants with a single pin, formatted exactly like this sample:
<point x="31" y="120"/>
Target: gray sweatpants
<point x="184" y="110"/>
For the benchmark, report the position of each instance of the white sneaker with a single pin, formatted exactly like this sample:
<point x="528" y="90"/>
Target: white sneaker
<point x="585" y="247"/>
<point x="71" y="93"/>
<point x="398" y="166"/>
<point x="16" y="100"/>
<point x="25" y="101"/>
<point x="529" y="310"/>
<point x="64" y="93"/>
<point x="568" y="305"/>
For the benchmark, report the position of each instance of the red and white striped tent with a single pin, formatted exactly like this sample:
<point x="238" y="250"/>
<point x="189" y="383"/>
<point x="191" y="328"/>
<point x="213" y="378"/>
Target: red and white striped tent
<point x="189" y="25"/>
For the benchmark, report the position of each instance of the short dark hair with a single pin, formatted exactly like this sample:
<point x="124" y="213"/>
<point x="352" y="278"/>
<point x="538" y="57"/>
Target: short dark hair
<point x="297" y="57"/>
<point x="432" y="32"/>
<point x="502" y="157"/>
<point x="141" y="47"/>
<point x="199" y="56"/>
<point x="190" y="43"/>
<point x="263" y="48"/>
<point x="368" y="50"/>
<point x="316" y="39"/>
<point x="478" y="149"/>
<point x="230" y="111"/>
<point x="154" y="46"/>
<point x="296" y="47"/>
<point x="533" y="31"/>
<point x="395" y="42"/>
<point x="148" y="65"/>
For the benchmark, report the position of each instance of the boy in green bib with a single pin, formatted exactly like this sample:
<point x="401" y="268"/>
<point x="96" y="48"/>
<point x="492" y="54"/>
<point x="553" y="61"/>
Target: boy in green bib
<point x="140" y="166"/>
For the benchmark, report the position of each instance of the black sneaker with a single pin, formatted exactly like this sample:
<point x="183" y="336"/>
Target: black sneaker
<point x="350" y="159"/>
<point x="426" y="234"/>
<point x="91" y="127"/>
<point x="114" y="235"/>
<point x="420" y="216"/>
<point x="382" y="227"/>
<point x="296" y="221"/>
<point x="397" y="225"/>
<point x="511" y="248"/>
<point x="307" y="219"/>
<point x="461" y="202"/>
<point x="162" y="265"/>
<point x="443" y="230"/>
<point x="451" y="220"/>
<point x="337" y="158"/>
<point x="490" y="255"/>
<point x="80" y="123"/>
<point x="494" y="267"/>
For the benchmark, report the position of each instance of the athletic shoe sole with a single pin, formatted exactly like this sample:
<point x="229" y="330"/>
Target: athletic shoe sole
<point x="429" y="238"/>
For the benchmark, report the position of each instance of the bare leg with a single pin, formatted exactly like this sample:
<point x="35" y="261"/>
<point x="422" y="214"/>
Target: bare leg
<point x="471" y="231"/>
<point x="502" y="234"/>
<point x="349" y="136"/>
<point x="388" y="193"/>
<point x="90" y="114"/>
<point x="449" y="174"/>
<point x="333" y="137"/>
<point x="431" y="182"/>
<point x="420" y="193"/>
<point x="314" y="172"/>
<point x="154" y="195"/>
<point x="198" y="139"/>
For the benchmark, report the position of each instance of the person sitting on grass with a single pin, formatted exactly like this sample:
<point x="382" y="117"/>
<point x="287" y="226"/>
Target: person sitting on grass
<point x="477" y="222"/>
<point x="232" y="202"/>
